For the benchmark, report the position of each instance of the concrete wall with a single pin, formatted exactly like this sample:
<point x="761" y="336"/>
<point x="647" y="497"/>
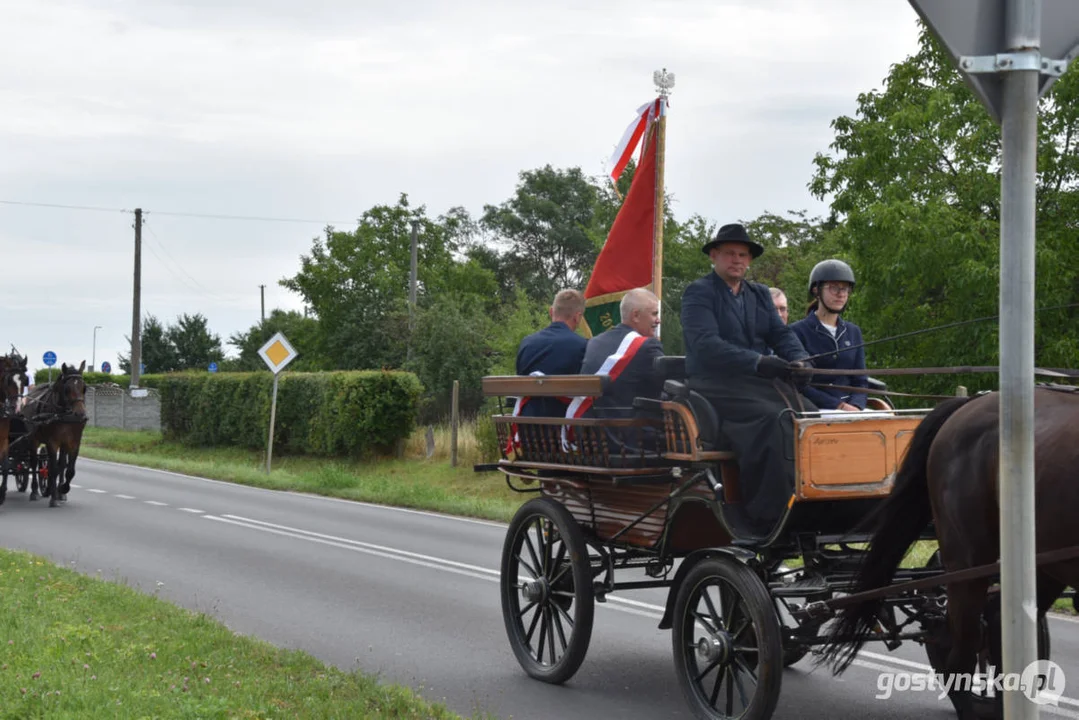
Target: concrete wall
<point x="114" y="407"/>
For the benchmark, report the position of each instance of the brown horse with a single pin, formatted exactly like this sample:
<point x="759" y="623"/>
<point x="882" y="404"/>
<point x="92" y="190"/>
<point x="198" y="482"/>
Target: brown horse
<point x="950" y="475"/>
<point x="56" y="414"/>
<point x="12" y="381"/>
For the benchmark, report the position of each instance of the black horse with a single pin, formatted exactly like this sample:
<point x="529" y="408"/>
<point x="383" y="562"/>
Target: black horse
<point x="950" y="476"/>
<point x="56" y="416"/>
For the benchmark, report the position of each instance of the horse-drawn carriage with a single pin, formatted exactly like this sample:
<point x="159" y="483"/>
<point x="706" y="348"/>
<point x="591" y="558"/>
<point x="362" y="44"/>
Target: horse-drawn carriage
<point x="40" y="433"/>
<point x="667" y="513"/>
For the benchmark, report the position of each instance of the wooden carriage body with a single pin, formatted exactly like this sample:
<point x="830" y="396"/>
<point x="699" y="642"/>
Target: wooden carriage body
<point x="633" y="495"/>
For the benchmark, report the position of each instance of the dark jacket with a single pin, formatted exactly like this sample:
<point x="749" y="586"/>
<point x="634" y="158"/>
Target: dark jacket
<point x="817" y="340"/>
<point x="554" y="350"/>
<point x="722" y="341"/>
<point x="638" y="379"/>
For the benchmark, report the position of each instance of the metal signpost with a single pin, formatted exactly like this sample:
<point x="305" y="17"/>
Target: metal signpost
<point x="1010" y="52"/>
<point x="276" y="353"/>
<point x="49" y="358"/>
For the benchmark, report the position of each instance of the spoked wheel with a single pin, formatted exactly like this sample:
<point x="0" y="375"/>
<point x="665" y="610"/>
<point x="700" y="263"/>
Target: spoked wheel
<point x="728" y="651"/>
<point x="22" y="477"/>
<point x="547" y="597"/>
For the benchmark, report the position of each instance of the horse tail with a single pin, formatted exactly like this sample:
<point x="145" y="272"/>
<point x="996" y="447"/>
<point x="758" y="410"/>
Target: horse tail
<point x="898" y="521"/>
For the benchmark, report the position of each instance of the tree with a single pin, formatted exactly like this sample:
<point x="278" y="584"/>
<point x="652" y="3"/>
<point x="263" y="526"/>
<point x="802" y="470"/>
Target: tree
<point x="545" y="230"/>
<point x="195" y="346"/>
<point x="157" y="352"/>
<point x="357" y="282"/>
<point x="914" y="181"/>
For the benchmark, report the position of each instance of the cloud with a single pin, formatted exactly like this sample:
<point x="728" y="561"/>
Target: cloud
<point x="322" y="109"/>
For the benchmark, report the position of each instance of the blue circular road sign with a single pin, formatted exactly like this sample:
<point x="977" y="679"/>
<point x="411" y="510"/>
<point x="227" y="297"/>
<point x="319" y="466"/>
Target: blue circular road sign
<point x="106" y="368"/>
<point x="213" y="367"/>
<point x="49" y="358"/>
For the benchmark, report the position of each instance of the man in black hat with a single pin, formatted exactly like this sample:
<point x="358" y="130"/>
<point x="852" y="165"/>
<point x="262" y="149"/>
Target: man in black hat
<point x="730" y="324"/>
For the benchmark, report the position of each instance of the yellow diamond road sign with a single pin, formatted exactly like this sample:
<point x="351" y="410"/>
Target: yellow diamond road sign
<point x="277" y="353"/>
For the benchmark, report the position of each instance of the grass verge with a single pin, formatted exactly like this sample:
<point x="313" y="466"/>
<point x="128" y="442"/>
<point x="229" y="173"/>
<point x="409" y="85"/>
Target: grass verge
<point x="78" y="647"/>
<point x="427" y="484"/>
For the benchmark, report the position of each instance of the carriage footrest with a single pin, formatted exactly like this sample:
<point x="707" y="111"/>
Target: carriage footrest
<point x="816" y="610"/>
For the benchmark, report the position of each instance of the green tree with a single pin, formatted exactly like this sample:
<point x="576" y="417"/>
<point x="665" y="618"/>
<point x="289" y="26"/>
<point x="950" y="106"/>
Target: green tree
<point x="544" y="230"/>
<point x="451" y="342"/>
<point x="914" y="182"/>
<point x="195" y="346"/>
<point x="157" y="352"/>
<point x="357" y="282"/>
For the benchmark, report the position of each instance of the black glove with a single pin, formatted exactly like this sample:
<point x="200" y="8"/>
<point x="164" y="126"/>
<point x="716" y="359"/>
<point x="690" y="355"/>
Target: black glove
<point x="801" y="379"/>
<point x="773" y="366"/>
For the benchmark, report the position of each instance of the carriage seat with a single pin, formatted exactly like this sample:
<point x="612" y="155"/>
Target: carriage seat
<point x="673" y="369"/>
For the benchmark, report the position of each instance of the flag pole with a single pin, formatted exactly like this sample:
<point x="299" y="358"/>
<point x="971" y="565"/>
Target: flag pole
<point x="664" y="84"/>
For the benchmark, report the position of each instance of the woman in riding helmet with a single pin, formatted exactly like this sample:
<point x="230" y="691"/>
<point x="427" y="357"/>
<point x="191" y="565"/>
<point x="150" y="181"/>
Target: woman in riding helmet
<point x="837" y="342"/>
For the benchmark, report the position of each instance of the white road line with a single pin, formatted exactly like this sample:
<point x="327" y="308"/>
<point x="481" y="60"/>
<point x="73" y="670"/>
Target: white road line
<point x="75" y="486"/>
<point x="158" y="503"/>
<point x="309" y="496"/>
<point x="95" y="490"/>
<point x="125" y="497"/>
<point x="192" y="510"/>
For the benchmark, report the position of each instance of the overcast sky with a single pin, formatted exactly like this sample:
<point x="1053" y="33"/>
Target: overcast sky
<point x="319" y="109"/>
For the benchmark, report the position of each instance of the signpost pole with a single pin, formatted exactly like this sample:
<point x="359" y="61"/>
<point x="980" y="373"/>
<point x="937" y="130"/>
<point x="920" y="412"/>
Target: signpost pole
<point x="273" y="416"/>
<point x="1019" y="125"/>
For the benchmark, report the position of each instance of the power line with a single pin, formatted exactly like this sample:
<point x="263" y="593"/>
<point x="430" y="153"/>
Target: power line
<point x="64" y="207"/>
<point x="207" y="216"/>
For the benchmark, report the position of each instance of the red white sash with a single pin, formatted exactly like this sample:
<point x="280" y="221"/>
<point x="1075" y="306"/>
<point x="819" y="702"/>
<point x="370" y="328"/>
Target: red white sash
<point x="612" y="367"/>
<point x="514" y="441"/>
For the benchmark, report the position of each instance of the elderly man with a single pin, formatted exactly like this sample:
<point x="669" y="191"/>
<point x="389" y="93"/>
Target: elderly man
<point x="779" y="298"/>
<point x="729" y="325"/>
<point x="555" y="350"/>
<point x="626" y="353"/>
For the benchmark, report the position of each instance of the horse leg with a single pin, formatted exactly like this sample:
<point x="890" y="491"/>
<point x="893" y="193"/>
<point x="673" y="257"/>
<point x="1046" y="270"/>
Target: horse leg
<point x="966" y="604"/>
<point x="35" y="472"/>
<point x="55" y="461"/>
<point x="69" y="472"/>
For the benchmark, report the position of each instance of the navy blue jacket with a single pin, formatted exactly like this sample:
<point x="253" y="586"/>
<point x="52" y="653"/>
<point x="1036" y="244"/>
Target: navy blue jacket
<point x="817" y="340"/>
<point x="721" y="341"/>
<point x="554" y="350"/>
<point x="638" y="379"/>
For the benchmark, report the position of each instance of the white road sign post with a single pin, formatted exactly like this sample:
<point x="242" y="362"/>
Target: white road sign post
<point x="276" y="353"/>
<point x="1010" y="52"/>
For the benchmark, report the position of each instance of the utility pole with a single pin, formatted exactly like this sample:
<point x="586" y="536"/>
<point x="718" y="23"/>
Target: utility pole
<point x="262" y="296"/>
<point x="412" y="284"/>
<point x="136" y="341"/>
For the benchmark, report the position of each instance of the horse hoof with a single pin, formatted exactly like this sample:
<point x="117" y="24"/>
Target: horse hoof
<point x="34" y="497"/>
<point x="986" y="708"/>
<point x="63" y="497"/>
<point x="53" y="503"/>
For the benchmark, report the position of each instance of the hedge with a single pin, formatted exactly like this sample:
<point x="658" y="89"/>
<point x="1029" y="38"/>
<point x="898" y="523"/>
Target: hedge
<point x="356" y="413"/>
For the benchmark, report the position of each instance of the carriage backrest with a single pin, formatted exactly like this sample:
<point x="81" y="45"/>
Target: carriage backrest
<point x="544" y="385"/>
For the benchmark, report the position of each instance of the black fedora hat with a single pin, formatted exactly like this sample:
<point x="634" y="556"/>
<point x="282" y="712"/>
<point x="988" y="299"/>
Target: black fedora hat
<point x="734" y="232"/>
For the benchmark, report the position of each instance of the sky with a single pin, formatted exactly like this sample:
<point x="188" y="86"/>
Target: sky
<point x="318" y="110"/>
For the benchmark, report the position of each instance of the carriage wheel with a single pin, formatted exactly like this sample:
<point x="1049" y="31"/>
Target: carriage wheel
<point x="547" y="597"/>
<point x="728" y="648"/>
<point x="22" y="477"/>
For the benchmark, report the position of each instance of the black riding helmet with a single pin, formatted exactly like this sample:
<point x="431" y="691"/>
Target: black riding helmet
<point x="830" y="271"/>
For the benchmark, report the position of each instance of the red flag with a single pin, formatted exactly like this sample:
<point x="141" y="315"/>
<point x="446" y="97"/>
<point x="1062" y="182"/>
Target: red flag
<point x="626" y="260"/>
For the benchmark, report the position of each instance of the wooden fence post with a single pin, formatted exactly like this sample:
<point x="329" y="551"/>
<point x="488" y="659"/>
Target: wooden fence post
<point x="453" y="424"/>
<point x="961" y="391"/>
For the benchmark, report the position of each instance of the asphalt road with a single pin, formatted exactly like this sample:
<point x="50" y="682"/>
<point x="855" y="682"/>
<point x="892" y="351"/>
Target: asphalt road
<point x="408" y="595"/>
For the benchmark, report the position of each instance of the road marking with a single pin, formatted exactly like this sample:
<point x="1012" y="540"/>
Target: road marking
<point x="192" y="510"/>
<point x="95" y="490"/>
<point x="126" y="497"/>
<point x="158" y="503"/>
<point x="308" y="496"/>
